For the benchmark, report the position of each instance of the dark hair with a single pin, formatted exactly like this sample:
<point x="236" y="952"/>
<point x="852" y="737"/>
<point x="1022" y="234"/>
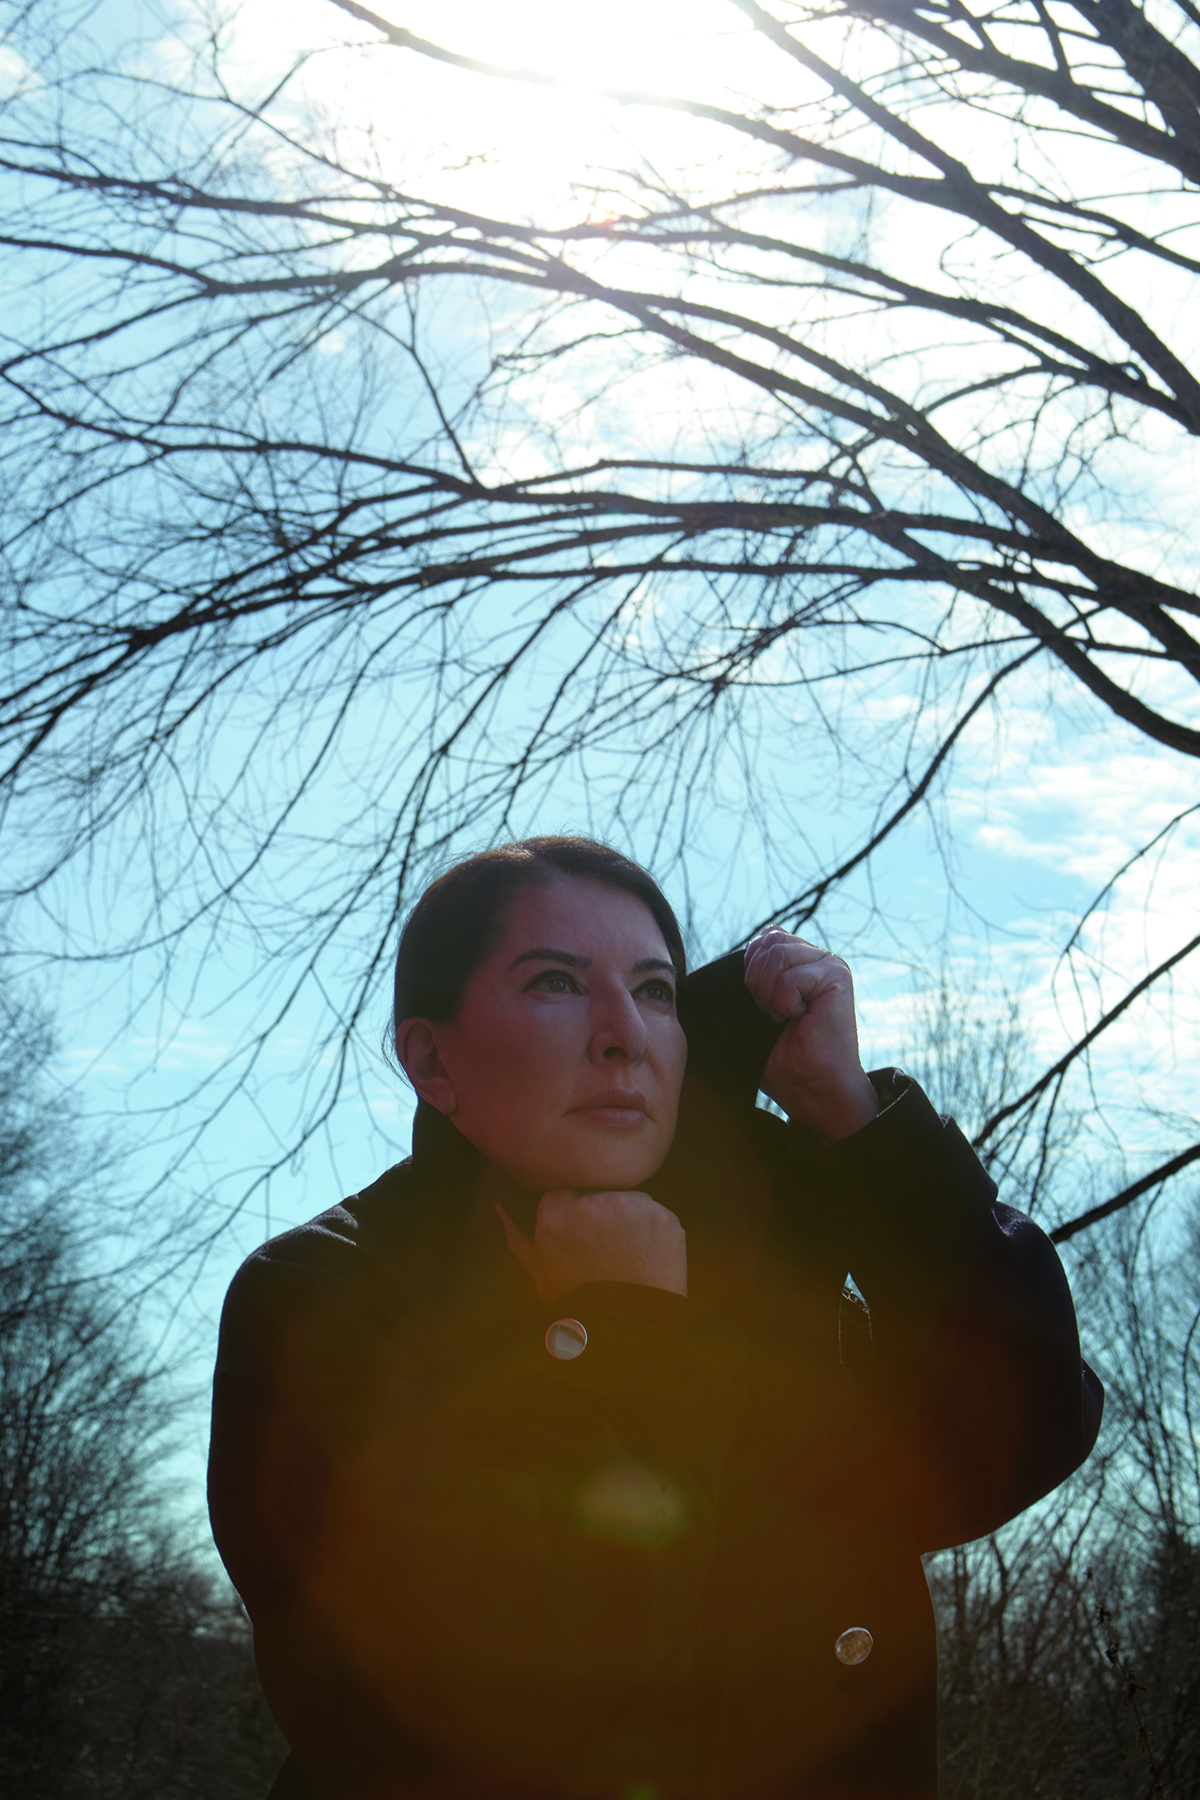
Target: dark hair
<point x="459" y="917"/>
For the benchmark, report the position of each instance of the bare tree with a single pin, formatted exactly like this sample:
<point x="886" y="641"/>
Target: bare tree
<point x="1068" y="1641"/>
<point x="339" y="530"/>
<point x="1068" y="1658"/>
<point x="123" y="1673"/>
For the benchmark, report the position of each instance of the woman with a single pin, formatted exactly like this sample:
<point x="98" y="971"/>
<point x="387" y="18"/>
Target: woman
<point x="562" y="1461"/>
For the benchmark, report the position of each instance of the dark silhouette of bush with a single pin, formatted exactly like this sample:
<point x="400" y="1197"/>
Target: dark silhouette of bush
<point x="124" y="1671"/>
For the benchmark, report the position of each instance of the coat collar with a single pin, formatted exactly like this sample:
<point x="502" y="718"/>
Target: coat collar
<point x="458" y="1177"/>
<point x="712" y="1180"/>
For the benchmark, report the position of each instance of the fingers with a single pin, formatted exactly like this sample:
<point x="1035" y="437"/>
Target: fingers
<point x="567" y="1216"/>
<point x="603" y="1236"/>
<point x="785" y="974"/>
<point x="775" y="950"/>
<point x="776" y="937"/>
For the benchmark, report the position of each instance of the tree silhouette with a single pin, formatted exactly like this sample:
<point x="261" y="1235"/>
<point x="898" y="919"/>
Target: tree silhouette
<point x="123" y="1673"/>
<point x="346" y="523"/>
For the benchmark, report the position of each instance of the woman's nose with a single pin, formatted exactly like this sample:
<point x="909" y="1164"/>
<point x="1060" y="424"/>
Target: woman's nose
<point x="619" y="1032"/>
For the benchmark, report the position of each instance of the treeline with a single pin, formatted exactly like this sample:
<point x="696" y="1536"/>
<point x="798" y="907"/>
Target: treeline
<point x="124" y="1673"/>
<point x="1070" y="1642"/>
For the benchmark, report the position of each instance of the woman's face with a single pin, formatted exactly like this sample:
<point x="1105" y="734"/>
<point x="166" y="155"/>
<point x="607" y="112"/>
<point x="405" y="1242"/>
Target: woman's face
<point x="565" y="1061"/>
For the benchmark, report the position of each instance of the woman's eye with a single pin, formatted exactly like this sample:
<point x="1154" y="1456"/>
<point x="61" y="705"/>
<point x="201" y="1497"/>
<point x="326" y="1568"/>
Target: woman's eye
<point x="659" y="990"/>
<point x="553" y="983"/>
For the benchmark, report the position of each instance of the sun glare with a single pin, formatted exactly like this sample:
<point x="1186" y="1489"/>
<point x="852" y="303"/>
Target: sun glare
<point x="512" y="146"/>
<point x="669" y="46"/>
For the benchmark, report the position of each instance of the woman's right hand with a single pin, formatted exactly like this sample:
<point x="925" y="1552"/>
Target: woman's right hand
<point x="610" y="1236"/>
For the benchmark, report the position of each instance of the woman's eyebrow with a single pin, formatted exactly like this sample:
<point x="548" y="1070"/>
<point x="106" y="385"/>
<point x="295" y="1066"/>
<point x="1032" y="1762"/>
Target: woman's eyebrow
<point x="563" y="956"/>
<point x="585" y="962"/>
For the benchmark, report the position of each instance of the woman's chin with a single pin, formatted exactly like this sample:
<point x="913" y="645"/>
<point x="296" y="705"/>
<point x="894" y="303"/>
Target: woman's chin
<point x="603" y="1174"/>
<point x="595" y="1161"/>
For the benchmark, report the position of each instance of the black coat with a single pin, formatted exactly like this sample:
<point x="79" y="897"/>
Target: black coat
<point x="476" y="1570"/>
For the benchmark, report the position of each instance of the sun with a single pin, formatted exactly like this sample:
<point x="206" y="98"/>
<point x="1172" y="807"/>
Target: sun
<point x="515" y="148"/>
<point x="665" y="45"/>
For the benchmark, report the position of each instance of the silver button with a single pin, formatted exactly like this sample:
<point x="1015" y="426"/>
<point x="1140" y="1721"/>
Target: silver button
<point x="566" y="1339"/>
<point x="854" y="1646"/>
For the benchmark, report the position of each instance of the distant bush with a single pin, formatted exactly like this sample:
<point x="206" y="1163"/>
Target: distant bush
<point x="123" y="1673"/>
<point x="1069" y="1643"/>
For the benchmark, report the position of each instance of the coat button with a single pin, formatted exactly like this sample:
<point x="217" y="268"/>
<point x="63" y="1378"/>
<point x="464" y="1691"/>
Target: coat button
<point x="854" y="1646"/>
<point x="566" y="1339"/>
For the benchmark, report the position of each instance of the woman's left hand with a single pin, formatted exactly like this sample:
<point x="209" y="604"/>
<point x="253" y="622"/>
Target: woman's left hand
<point x="814" y="1072"/>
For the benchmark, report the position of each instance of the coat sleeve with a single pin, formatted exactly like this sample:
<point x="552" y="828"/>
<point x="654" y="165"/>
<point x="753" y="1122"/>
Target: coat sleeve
<point x="486" y="1548"/>
<point x="975" y="1381"/>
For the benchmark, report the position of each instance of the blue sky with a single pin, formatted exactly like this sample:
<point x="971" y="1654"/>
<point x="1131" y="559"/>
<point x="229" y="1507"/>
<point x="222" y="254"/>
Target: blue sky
<point x="1031" y="843"/>
<point x="1038" y="811"/>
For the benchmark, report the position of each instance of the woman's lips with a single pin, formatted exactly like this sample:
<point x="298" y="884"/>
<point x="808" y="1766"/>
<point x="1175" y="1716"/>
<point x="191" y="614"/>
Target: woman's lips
<point x="626" y="1110"/>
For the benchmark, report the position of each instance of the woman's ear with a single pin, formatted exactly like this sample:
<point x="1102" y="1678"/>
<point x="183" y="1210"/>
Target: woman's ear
<point x="416" y="1048"/>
